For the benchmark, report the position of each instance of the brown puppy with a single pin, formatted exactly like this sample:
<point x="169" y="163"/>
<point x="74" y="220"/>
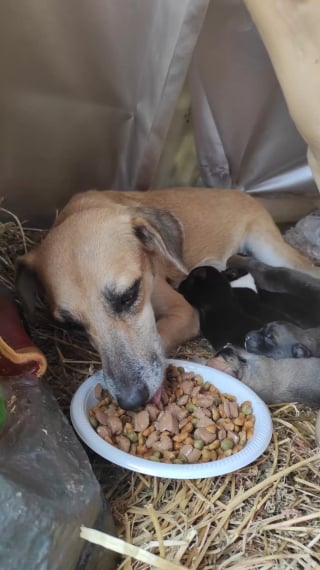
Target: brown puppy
<point x="275" y="381"/>
<point x="111" y="259"/>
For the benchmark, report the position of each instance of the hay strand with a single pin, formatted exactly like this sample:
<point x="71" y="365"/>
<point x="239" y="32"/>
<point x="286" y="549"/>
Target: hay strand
<point x="122" y="547"/>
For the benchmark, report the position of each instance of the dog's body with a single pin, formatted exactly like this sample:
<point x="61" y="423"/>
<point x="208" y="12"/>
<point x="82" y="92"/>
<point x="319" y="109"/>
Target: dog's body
<point x="284" y="340"/>
<point x="227" y="314"/>
<point x="111" y="259"/>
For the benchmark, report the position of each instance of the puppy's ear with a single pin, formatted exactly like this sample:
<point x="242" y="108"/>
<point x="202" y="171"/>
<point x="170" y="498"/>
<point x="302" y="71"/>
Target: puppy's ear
<point x="299" y="350"/>
<point x="28" y="286"/>
<point x="159" y="231"/>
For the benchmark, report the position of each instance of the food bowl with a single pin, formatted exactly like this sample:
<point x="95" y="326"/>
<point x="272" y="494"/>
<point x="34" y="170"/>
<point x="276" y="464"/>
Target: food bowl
<point x="84" y="399"/>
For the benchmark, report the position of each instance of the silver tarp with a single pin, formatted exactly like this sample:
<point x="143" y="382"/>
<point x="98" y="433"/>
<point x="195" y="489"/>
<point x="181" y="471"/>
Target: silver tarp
<point x="113" y="93"/>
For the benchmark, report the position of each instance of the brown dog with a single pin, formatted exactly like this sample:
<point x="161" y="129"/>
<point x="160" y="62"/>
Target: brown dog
<point x="112" y="259"/>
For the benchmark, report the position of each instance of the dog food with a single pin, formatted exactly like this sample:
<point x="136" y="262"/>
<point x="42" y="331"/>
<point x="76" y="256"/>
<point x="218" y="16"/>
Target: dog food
<point x="193" y="423"/>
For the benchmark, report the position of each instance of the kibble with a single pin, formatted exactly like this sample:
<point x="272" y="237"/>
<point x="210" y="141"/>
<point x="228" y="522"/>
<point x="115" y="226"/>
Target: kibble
<point x="193" y="423"/>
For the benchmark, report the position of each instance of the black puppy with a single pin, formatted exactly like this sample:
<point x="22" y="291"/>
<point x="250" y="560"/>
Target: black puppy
<point x="284" y="340"/>
<point x="296" y="295"/>
<point x="226" y="314"/>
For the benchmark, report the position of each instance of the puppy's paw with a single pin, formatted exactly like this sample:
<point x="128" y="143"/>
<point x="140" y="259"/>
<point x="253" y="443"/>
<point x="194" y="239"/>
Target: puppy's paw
<point x="219" y="363"/>
<point x="239" y="263"/>
<point x="300" y="350"/>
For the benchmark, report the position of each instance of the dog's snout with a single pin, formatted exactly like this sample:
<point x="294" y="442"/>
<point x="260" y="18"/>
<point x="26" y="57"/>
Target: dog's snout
<point x="134" y="398"/>
<point x="251" y="341"/>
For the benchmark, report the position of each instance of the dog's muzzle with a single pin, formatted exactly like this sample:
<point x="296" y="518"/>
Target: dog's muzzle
<point x="134" y="398"/>
<point x="134" y="383"/>
<point x="253" y="342"/>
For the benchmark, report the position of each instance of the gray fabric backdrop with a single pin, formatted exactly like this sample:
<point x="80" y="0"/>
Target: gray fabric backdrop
<point x="113" y="93"/>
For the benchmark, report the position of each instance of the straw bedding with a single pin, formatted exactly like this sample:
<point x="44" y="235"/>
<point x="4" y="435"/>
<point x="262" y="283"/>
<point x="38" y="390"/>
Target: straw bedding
<point x="262" y="517"/>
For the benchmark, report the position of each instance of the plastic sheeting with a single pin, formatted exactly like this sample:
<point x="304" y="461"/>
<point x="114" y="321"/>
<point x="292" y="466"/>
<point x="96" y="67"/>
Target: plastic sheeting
<point x="47" y="487"/>
<point x="88" y="91"/>
<point x="245" y="137"/>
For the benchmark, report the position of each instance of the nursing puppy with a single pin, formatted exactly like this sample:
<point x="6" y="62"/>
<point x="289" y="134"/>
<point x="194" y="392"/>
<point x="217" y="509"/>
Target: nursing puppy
<point x="112" y="260"/>
<point x="275" y="381"/>
<point x="293" y="293"/>
<point x="226" y="313"/>
<point x="284" y="340"/>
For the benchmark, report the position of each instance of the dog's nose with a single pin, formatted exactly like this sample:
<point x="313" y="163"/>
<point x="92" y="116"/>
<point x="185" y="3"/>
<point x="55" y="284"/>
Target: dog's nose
<point x="134" y="398"/>
<point x="251" y="339"/>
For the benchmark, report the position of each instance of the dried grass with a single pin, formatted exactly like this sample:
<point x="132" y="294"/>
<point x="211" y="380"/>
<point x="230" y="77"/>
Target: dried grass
<point x="265" y="516"/>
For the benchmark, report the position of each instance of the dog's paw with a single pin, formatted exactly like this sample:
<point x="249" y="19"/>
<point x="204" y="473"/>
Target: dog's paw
<point x="219" y="363"/>
<point x="300" y="350"/>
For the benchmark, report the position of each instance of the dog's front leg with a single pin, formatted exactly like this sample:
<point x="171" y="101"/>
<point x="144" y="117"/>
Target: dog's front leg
<point x="177" y="320"/>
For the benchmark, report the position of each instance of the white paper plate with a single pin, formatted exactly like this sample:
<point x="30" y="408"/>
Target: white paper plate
<point x="84" y="399"/>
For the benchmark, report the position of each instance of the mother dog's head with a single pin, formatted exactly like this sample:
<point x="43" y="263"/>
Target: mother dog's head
<point x="98" y="267"/>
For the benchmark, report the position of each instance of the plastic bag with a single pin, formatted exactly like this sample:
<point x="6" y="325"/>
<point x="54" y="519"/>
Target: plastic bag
<point x="47" y="487"/>
<point x="305" y="236"/>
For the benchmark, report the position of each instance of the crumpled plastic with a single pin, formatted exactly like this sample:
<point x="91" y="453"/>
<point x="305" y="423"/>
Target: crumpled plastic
<point x="47" y="487"/>
<point x="305" y="236"/>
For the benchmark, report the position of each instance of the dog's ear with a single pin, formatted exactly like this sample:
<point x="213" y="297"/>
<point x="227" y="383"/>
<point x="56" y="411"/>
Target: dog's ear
<point x="299" y="350"/>
<point x="159" y="231"/>
<point x="28" y="285"/>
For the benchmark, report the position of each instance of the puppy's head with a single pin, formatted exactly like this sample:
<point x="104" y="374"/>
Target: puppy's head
<point x="234" y="358"/>
<point x="206" y="288"/>
<point x="277" y="340"/>
<point x="97" y="268"/>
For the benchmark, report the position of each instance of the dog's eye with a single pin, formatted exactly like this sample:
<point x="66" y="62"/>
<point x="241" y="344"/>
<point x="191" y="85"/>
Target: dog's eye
<point x="268" y="336"/>
<point x="125" y="300"/>
<point x="130" y="296"/>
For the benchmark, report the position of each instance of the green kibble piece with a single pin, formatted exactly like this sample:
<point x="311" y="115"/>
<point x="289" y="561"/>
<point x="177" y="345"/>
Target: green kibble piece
<point x="198" y="444"/>
<point x="93" y="422"/>
<point x="183" y="458"/>
<point x="154" y="458"/>
<point x="156" y="454"/>
<point x="194" y="422"/>
<point x="227" y="444"/>
<point x="180" y="369"/>
<point x="246" y="409"/>
<point x="190" y="407"/>
<point x="217" y="401"/>
<point x="178" y="461"/>
<point x="206" y="386"/>
<point x="132" y="436"/>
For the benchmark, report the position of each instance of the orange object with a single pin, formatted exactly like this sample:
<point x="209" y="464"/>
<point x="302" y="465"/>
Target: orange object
<point x="18" y="354"/>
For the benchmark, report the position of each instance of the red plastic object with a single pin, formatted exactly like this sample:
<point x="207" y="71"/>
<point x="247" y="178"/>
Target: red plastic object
<point x="18" y="355"/>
